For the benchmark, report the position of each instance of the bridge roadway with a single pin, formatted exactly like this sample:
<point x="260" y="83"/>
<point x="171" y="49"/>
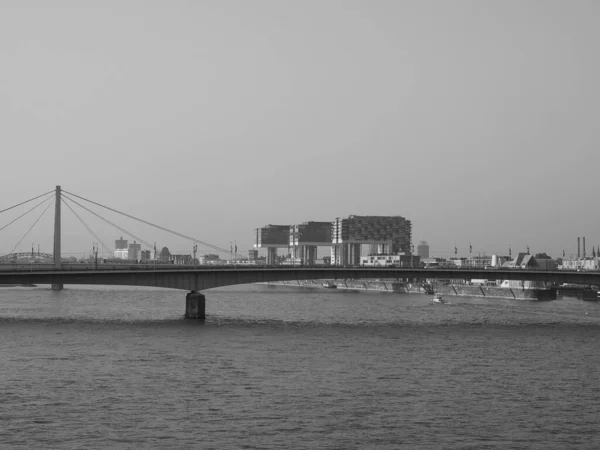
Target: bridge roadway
<point x="202" y="278"/>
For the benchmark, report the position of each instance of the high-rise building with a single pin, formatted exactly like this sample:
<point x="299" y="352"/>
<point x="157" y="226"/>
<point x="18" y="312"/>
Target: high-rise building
<point x="391" y="234"/>
<point x="423" y="249"/>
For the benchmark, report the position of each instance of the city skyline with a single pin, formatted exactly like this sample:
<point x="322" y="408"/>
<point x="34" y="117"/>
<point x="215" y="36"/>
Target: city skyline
<point x="180" y="246"/>
<point x="476" y="121"/>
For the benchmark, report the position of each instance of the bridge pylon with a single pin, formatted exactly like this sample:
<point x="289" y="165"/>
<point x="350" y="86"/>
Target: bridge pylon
<point x="195" y="305"/>
<point x="57" y="243"/>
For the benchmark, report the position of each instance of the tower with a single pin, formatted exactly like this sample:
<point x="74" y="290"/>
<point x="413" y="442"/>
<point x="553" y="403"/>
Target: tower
<point x="57" y="259"/>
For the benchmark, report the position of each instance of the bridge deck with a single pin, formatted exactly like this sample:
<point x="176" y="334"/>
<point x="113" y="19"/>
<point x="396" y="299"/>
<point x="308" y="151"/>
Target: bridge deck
<point x="190" y="278"/>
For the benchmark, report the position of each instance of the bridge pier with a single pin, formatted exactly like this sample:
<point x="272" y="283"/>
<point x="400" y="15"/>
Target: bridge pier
<point x="195" y="305"/>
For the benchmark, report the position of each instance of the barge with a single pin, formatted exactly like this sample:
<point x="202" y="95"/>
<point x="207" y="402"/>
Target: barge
<point x="518" y="290"/>
<point x="515" y="293"/>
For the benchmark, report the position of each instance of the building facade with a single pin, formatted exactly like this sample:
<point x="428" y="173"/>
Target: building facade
<point x="135" y="251"/>
<point x="391" y="234"/>
<point x="306" y="238"/>
<point x="121" y="249"/>
<point x="272" y="237"/>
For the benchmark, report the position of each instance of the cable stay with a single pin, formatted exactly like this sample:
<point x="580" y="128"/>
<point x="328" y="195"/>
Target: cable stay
<point x="26" y="201"/>
<point x="31" y="228"/>
<point x="87" y="227"/>
<point x="189" y="238"/>
<point x="147" y="244"/>
<point x="27" y="212"/>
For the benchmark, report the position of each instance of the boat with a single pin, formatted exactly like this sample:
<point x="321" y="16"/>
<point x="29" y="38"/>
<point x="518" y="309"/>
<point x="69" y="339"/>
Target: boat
<point x="519" y="290"/>
<point x="580" y="291"/>
<point x="439" y="298"/>
<point x="329" y="285"/>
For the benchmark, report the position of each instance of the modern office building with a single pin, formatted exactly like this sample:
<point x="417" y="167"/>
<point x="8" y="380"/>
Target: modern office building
<point x="391" y="234"/>
<point x="306" y="238"/>
<point x="272" y="237"/>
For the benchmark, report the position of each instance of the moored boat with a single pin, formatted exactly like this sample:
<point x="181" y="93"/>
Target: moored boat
<point x="580" y="291"/>
<point x="439" y="298"/>
<point x="517" y="290"/>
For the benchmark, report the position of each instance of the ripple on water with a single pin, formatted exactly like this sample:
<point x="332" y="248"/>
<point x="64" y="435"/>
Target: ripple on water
<point x="112" y="368"/>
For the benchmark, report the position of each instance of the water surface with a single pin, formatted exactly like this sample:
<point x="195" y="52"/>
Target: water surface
<point x="284" y="367"/>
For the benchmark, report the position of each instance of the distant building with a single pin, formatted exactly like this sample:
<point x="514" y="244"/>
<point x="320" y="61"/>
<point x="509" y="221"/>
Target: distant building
<point x="305" y="238"/>
<point x="525" y="261"/>
<point x="146" y="255"/>
<point x="122" y="254"/>
<point x="272" y="237"/>
<point x="592" y="263"/>
<point x="164" y="255"/>
<point x="423" y="249"/>
<point x="186" y="260"/>
<point x="134" y="251"/>
<point x="121" y="244"/>
<point x="401" y="260"/>
<point x="391" y="234"/>
<point x="121" y="250"/>
<point x="252" y="255"/>
<point x="210" y="259"/>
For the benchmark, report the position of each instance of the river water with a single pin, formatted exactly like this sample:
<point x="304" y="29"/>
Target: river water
<point x="278" y="367"/>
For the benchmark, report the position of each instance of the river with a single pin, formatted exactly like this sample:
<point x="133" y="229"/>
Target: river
<point x="278" y="367"/>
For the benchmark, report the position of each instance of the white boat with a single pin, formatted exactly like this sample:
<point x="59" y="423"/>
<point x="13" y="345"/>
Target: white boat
<point x="439" y="298"/>
<point x="329" y="285"/>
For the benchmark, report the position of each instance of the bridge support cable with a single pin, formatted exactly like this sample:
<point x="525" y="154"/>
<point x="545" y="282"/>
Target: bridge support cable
<point x="147" y="244"/>
<point x="31" y="227"/>
<point x="87" y="227"/>
<point x="189" y="238"/>
<point x="26" y="201"/>
<point x="27" y="212"/>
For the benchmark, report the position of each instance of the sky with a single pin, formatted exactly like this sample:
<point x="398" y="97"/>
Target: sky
<point x="476" y="120"/>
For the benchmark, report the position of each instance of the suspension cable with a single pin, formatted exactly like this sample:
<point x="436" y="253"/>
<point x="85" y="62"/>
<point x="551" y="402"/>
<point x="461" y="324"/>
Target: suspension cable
<point x="31" y="228"/>
<point x="189" y="238"/>
<point x="109" y="222"/>
<point x="86" y="226"/>
<point x="26" y="212"/>
<point x="26" y="201"/>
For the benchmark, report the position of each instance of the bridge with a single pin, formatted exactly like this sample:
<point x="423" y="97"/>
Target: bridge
<point x="195" y="279"/>
<point x="200" y="279"/>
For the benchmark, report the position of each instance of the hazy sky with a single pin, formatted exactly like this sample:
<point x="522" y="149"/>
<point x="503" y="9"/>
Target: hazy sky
<point x="477" y="120"/>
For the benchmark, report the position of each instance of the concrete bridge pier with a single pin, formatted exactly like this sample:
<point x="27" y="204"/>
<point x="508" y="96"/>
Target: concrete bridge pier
<point x="195" y="305"/>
